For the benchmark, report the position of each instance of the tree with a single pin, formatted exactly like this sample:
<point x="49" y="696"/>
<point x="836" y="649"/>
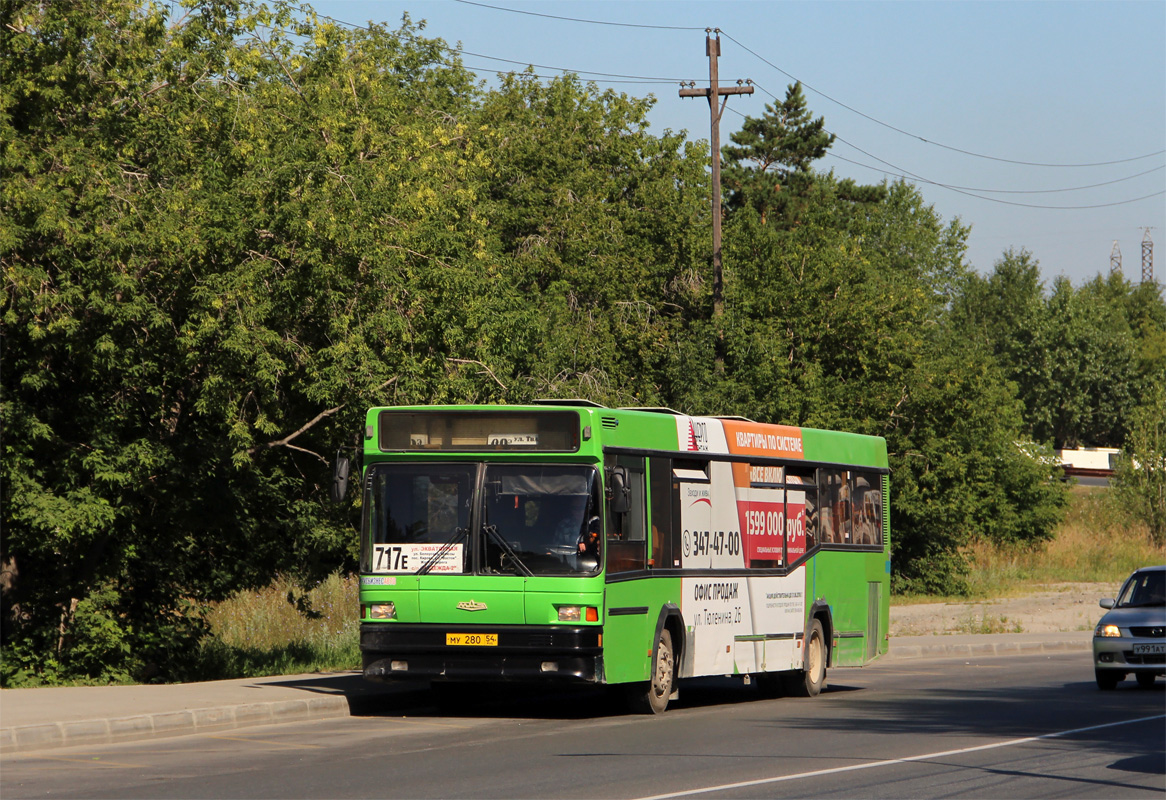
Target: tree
<point x="1141" y="471"/>
<point x="768" y="165"/>
<point x="594" y="219"/>
<point x="1082" y="359"/>
<point x="1093" y="385"/>
<point x="222" y="240"/>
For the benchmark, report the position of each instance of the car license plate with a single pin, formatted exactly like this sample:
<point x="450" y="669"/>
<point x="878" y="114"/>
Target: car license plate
<point x="472" y="639"/>
<point x="1150" y="649"/>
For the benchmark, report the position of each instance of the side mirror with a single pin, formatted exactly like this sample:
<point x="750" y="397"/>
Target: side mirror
<point x="340" y="477"/>
<point x="1106" y="603"/>
<point x="621" y="495"/>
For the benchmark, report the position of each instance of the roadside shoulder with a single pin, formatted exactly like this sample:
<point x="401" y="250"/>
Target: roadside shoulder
<point x="997" y="644"/>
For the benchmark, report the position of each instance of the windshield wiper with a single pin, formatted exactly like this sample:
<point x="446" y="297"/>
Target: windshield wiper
<point x="435" y="559"/>
<point x="492" y="532"/>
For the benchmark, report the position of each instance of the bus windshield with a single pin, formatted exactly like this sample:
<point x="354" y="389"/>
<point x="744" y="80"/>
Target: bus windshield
<point x="419" y="513"/>
<point x="547" y="516"/>
<point x="531" y="519"/>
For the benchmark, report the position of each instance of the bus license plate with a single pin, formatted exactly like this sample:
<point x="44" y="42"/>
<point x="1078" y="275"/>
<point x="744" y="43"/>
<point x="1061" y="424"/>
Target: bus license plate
<point x="472" y="639"/>
<point x="1150" y="649"/>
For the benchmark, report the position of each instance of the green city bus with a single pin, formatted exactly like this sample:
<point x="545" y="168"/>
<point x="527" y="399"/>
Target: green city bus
<point x="564" y="541"/>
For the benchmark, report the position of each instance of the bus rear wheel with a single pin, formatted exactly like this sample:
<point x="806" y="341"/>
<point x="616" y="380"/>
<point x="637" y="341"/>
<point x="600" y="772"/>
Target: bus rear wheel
<point x="653" y="698"/>
<point x="809" y="681"/>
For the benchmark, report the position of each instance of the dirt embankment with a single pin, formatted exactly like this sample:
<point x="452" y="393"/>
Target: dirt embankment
<point x="1049" y="608"/>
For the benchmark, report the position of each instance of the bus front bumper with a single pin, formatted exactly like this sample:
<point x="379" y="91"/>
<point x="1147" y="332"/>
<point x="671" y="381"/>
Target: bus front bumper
<point x="409" y="651"/>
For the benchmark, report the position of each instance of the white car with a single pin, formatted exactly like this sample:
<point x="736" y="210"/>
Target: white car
<point x="1131" y="637"/>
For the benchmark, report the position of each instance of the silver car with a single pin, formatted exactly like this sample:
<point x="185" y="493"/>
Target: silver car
<point x="1131" y="637"/>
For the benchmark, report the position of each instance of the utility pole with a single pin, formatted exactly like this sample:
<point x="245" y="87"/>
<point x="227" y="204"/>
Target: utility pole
<point x="712" y="48"/>
<point x="1115" y="259"/>
<point x="1147" y="257"/>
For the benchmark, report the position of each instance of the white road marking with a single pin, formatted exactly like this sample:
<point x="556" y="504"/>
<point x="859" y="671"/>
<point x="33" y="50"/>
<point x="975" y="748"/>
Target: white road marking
<point x="889" y="762"/>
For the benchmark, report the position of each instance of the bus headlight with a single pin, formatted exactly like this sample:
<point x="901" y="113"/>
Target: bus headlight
<point x="382" y="611"/>
<point x="1107" y="631"/>
<point x="578" y="614"/>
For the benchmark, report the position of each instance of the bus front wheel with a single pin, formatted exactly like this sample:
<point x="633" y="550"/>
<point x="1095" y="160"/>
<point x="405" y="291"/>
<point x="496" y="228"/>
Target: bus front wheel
<point x="809" y="681"/>
<point x="653" y="698"/>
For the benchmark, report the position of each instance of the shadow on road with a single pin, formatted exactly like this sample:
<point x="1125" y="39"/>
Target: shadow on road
<point x="504" y="701"/>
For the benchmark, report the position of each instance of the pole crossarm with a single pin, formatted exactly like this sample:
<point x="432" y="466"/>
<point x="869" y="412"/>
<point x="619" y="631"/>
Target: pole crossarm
<point x="708" y="92"/>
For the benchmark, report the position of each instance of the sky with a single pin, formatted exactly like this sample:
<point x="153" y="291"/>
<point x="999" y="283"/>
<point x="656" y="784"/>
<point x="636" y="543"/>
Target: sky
<point x="994" y="110"/>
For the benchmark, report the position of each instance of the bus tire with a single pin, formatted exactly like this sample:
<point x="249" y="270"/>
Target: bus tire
<point x="653" y="697"/>
<point x="811" y="679"/>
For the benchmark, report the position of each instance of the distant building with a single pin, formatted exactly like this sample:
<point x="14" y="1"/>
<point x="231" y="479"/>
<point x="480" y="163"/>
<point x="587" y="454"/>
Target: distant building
<point x="1091" y="466"/>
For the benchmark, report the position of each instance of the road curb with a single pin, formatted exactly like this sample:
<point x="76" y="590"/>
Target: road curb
<point x="959" y="650"/>
<point x="170" y="723"/>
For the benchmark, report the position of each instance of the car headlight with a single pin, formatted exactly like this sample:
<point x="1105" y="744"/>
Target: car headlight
<point x="1107" y="631"/>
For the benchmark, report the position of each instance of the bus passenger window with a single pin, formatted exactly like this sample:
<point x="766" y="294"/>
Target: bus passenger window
<point x="802" y="480"/>
<point x="626" y="539"/>
<point x="868" y="509"/>
<point x="834" y="491"/>
<point x="660" y="472"/>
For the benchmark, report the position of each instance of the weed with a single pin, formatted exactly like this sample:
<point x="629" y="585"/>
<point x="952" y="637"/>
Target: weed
<point x="280" y="630"/>
<point x="1097" y="543"/>
<point x="985" y="623"/>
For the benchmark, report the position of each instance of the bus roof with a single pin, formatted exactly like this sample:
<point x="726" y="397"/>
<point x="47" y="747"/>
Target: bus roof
<point x="650" y="430"/>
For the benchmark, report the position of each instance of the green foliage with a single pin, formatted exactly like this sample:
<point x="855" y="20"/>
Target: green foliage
<point x="223" y="240"/>
<point x="1082" y="359"/>
<point x="1099" y="541"/>
<point x="768" y="165"/>
<point x="593" y="217"/>
<point x="281" y="628"/>
<point x="1141" y="471"/>
<point x="960" y="475"/>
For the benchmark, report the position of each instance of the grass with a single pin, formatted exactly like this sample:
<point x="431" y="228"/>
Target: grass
<point x="1097" y="543"/>
<point x="282" y="630"/>
<point x="987" y="623"/>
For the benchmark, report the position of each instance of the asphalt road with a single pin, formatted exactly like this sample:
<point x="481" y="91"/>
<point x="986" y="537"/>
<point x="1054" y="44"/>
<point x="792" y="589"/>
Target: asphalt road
<point x="1017" y="726"/>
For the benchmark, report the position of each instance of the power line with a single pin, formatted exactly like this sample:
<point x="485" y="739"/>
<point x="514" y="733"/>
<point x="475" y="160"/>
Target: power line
<point x="646" y="79"/>
<point x="455" y="51"/>
<point x="999" y="191"/>
<point x="958" y="190"/>
<point x="633" y="78"/>
<point x="757" y="55"/>
<point x="587" y="21"/>
<point x="906" y="174"/>
<point x="523" y="73"/>
<point x="850" y="108"/>
<point x="994" y="199"/>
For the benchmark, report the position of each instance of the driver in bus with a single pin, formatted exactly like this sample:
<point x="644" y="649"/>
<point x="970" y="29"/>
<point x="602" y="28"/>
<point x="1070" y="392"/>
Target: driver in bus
<point x="589" y="540"/>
